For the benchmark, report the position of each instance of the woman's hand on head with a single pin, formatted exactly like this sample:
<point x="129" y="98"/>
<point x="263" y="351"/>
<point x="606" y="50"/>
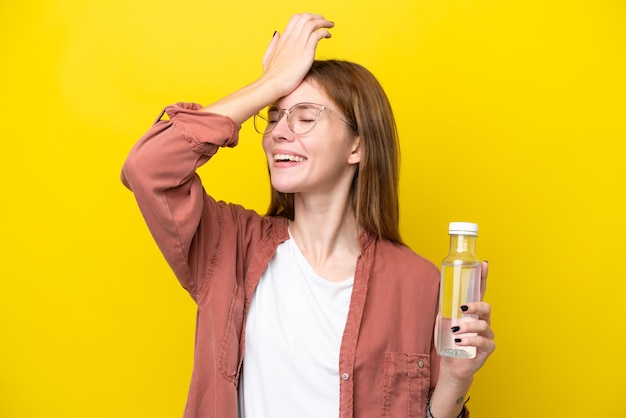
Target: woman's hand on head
<point x="287" y="60"/>
<point x="289" y="55"/>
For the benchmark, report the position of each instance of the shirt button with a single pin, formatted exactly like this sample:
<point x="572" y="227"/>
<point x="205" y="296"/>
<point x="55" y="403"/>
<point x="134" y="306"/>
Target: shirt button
<point x="420" y="364"/>
<point x="345" y="376"/>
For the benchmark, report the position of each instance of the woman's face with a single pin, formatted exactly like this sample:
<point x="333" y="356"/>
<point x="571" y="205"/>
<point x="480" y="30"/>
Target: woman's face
<point x="318" y="162"/>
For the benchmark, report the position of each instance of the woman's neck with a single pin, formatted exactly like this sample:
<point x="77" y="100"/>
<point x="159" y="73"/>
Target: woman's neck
<point x="326" y="232"/>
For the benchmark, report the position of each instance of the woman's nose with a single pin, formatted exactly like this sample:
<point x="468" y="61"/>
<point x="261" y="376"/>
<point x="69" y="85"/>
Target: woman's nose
<point x="281" y="131"/>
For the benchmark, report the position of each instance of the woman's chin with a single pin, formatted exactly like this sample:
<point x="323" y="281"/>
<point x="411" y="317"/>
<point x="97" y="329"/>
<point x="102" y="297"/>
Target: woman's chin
<point x="283" y="184"/>
<point x="283" y="189"/>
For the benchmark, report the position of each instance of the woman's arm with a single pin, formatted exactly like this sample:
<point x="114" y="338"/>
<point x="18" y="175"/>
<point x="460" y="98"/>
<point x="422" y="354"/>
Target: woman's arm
<point x="161" y="171"/>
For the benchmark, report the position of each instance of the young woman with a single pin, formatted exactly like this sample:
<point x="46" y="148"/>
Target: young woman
<point x="316" y="309"/>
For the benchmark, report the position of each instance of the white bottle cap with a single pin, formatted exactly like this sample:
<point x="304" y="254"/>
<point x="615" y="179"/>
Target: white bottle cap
<point x="463" y="228"/>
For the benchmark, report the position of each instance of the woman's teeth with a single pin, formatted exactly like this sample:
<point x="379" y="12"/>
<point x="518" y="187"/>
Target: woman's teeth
<point x="287" y="157"/>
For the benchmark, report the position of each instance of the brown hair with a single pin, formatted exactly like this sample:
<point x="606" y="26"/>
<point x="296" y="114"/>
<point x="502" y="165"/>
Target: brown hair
<point x="360" y="97"/>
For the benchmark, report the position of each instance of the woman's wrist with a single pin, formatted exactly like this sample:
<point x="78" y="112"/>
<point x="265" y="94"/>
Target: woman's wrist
<point x="448" y="398"/>
<point x="429" y="412"/>
<point x="245" y="102"/>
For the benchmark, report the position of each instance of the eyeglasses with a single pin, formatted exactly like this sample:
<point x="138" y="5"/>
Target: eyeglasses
<point x="301" y="118"/>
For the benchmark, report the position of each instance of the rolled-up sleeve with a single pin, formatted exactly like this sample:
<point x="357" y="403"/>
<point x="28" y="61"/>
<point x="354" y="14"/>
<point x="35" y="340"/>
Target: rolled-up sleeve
<point x="161" y="172"/>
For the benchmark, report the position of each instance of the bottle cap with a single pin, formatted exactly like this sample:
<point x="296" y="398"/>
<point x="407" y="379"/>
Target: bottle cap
<point x="463" y="228"/>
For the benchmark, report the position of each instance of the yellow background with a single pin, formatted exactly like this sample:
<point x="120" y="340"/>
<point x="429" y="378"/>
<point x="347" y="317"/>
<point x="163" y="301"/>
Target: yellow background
<point x="511" y="114"/>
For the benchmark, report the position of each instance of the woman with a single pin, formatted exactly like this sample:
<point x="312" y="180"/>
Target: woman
<point x="316" y="309"/>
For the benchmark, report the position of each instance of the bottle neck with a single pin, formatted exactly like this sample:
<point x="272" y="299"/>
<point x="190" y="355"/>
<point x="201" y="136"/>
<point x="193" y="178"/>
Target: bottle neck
<point x="462" y="244"/>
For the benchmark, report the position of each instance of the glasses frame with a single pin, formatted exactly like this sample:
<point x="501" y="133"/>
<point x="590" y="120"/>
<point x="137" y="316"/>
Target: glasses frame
<point x="282" y="112"/>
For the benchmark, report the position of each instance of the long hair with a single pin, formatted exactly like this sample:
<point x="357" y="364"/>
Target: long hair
<point x="374" y="191"/>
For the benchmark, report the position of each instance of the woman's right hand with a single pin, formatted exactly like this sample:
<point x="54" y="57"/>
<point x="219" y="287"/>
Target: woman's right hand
<point x="287" y="60"/>
<point x="289" y="56"/>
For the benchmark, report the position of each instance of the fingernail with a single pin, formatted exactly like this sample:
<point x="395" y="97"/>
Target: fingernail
<point x="487" y="261"/>
<point x="464" y="308"/>
<point x="456" y="329"/>
<point x="457" y="340"/>
<point x="275" y="32"/>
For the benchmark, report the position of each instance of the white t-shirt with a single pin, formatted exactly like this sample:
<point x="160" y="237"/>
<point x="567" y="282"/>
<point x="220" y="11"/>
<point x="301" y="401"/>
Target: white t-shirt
<point x="293" y="335"/>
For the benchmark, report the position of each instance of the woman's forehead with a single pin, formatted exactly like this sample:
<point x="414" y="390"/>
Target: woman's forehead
<point x="308" y="91"/>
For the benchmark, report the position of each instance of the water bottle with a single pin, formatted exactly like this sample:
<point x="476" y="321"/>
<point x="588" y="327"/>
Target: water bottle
<point x="460" y="284"/>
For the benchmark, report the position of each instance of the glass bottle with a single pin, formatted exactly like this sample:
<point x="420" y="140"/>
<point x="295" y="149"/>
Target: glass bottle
<point x="460" y="285"/>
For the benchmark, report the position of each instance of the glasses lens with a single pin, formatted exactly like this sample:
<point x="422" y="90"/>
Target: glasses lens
<point x="260" y="121"/>
<point x="303" y="118"/>
<point x="266" y="120"/>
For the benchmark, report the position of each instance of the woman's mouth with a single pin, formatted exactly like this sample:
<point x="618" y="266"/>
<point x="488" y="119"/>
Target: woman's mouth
<point x="279" y="158"/>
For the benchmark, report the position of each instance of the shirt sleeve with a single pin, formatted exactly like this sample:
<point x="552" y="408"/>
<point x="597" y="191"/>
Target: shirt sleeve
<point x="161" y="172"/>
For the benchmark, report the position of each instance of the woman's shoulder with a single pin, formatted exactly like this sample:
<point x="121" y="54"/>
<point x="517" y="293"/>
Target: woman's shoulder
<point x="405" y="258"/>
<point x="251" y="222"/>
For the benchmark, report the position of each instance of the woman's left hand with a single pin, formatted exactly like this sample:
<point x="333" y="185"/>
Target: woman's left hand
<point x="461" y="369"/>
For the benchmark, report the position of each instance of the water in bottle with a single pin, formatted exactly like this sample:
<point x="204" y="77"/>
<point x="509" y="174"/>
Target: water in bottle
<point x="460" y="285"/>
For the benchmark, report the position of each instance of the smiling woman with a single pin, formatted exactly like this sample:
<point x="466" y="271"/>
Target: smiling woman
<point x="315" y="283"/>
<point x="523" y="99"/>
<point x="374" y="186"/>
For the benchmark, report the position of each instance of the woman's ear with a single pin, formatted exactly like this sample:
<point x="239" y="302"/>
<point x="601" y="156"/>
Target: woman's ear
<point x="355" y="152"/>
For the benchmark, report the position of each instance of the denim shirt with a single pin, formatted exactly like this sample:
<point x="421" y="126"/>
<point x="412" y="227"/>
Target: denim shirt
<point x="218" y="251"/>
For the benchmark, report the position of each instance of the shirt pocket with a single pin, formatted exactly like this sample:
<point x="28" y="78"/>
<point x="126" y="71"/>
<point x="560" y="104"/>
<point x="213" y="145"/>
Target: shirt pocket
<point x="406" y="385"/>
<point x="231" y="356"/>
